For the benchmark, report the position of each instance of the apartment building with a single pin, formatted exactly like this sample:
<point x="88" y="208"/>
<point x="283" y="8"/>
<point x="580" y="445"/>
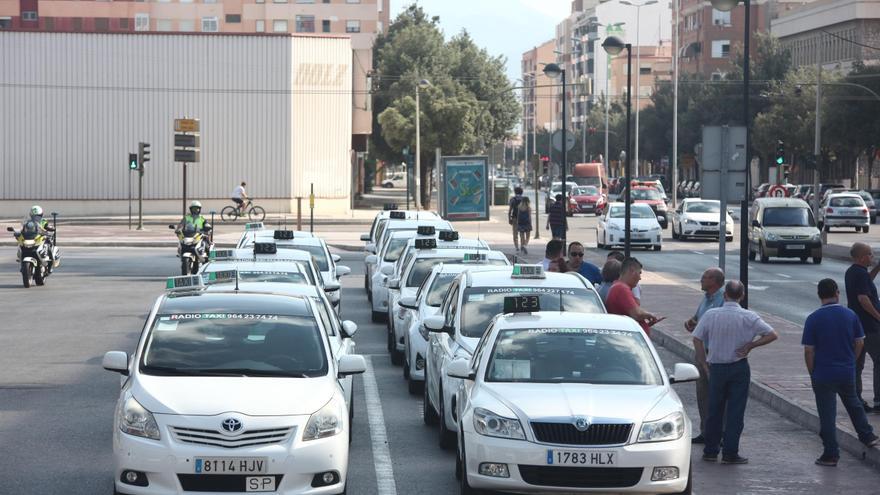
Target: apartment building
<point x="655" y="69"/>
<point x="362" y="20"/>
<point x="538" y="96"/>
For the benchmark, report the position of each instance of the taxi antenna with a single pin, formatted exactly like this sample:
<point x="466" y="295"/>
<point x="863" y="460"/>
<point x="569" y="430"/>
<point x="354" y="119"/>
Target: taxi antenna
<point x="236" y="280"/>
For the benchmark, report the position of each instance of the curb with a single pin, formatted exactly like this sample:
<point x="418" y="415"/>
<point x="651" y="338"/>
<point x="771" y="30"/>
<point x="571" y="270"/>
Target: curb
<point x="779" y="403"/>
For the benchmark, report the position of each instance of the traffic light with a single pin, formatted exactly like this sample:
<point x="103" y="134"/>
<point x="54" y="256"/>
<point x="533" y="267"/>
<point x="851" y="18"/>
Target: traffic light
<point x="143" y="155"/>
<point x="780" y="152"/>
<point x="132" y="161"/>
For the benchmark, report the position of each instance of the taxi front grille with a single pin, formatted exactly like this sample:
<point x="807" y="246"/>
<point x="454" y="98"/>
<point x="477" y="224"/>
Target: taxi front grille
<point x="580" y="477"/>
<point x="795" y="237"/>
<point x="709" y="224"/>
<point x="249" y="438"/>
<point x="231" y="483"/>
<point x="596" y="434"/>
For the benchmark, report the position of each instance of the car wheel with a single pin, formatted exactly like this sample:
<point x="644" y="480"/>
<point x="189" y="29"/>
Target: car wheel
<point x="817" y="260"/>
<point x="465" y="487"/>
<point x="414" y="386"/>
<point x="429" y="415"/>
<point x="598" y="242"/>
<point x="658" y="247"/>
<point x="674" y="233"/>
<point x="764" y="257"/>
<point x="827" y="229"/>
<point x="865" y="229"/>
<point x="688" y="489"/>
<point x="396" y="356"/>
<point x="405" y="367"/>
<point x="446" y="438"/>
<point x="751" y="255"/>
<point x="729" y="238"/>
<point x="804" y="259"/>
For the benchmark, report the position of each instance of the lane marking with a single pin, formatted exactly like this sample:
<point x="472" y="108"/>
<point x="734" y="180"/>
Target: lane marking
<point x="697" y="252"/>
<point x="757" y="287"/>
<point x="381" y="454"/>
<point x="784" y="275"/>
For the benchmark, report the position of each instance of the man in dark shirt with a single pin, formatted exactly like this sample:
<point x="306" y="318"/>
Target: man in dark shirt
<point x="577" y="263"/>
<point x="832" y="338"/>
<point x="557" y="221"/>
<point x="513" y="212"/>
<point x="861" y="297"/>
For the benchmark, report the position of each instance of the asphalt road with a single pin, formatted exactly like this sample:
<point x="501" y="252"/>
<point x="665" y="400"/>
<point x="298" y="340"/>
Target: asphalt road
<point x="56" y="402"/>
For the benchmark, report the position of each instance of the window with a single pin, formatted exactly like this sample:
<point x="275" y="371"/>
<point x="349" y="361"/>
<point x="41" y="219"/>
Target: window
<point x="720" y="18"/>
<point x="5" y="22"/>
<point x="261" y="26"/>
<point x="352" y="1"/>
<point x="645" y="70"/>
<point x="77" y="23"/>
<point x="164" y="25"/>
<point x="305" y="1"/>
<point x="142" y="22"/>
<point x="279" y="1"/>
<point x="123" y="23"/>
<point x="353" y="26"/>
<point x="29" y="15"/>
<point x="305" y="24"/>
<point x="325" y="26"/>
<point x="210" y="25"/>
<point x="379" y="27"/>
<point x="720" y="48"/>
<point x="186" y="26"/>
<point x="102" y="24"/>
<point x="50" y="23"/>
<point x="233" y="18"/>
<point x="325" y="1"/>
<point x="279" y="25"/>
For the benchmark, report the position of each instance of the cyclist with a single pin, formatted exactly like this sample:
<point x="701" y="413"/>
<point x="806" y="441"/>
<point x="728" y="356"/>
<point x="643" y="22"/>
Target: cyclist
<point x="239" y="196"/>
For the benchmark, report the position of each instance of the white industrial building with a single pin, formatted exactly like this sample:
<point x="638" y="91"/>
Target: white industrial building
<point x="275" y="111"/>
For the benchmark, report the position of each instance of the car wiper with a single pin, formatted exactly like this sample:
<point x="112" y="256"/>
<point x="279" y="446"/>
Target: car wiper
<point x="250" y="372"/>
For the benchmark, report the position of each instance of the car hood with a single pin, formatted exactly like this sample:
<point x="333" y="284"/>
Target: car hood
<point x="548" y="401"/>
<point x="800" y="231"/>
<point x="252" y="396"/>
<point x="704" y="217"/>
<point x="640" y="223"/>
<point x="584" y="197"/>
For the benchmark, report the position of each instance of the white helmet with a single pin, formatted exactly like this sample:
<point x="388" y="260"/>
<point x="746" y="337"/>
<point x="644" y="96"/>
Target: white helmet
<point x="36" y="211"/>
<point x="195" y="204"/>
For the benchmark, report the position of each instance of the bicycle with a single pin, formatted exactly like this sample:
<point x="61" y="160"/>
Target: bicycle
<point x="233" y="213"/>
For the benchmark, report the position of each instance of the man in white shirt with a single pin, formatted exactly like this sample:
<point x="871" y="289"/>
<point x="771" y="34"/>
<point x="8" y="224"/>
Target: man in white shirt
<point x="239" y="195"/>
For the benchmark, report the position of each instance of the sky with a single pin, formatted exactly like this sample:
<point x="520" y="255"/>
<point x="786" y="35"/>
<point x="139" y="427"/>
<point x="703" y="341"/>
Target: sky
<point x="502" y="27"/>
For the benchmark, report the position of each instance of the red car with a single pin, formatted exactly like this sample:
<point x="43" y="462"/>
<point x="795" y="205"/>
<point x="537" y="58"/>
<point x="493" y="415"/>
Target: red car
<point x="586" y="199"/>
<point x="651" y="197"/>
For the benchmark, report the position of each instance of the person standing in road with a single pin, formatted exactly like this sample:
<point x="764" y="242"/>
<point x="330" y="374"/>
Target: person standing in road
<point x="711" y="283"/>
<point x="832" y="339"/>
<point x="729" y="332"/>
<point x="524" y="224"/>
<point x="620" y="300"/>
<point x="557" y="221"/>
<point x="610" y="274"/>
<point x="576" y="263"/>
<point x="513" y="215"/>
<point x="861" y="297"/>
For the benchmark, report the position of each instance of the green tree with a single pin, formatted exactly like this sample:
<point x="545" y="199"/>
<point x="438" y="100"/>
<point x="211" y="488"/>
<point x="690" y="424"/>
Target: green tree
<point x="850" y="126"/>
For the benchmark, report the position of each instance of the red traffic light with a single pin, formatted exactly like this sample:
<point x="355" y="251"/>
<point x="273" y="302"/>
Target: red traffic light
<point x="545" y="158"/>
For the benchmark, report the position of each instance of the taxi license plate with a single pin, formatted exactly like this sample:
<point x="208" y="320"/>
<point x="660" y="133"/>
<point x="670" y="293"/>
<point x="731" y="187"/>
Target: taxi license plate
<point x="259" y="484"/>
<point x="796" y="246"/>
<point x="581" y="457"/>
<point x="231" y="465"/>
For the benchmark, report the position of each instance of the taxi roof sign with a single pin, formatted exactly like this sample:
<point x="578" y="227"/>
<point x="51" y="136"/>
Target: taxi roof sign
<point x="528" y="271"/>
<point x="254" y="226"/>
<point x="425" y="230"/>
<point x="397" y="215"/>
<point x="475" y="258"/>
<point x="522" y="304"/>
<point x="221" y="254"/>
<point x="389" y="206"/>
<point x="185" y="282"/>
<point x="222" y="275"/>
<point x="426" y="243"/>
<point x="265" y="248"/>
<point x="448" y="235"/>
<point x="283" y="235"/>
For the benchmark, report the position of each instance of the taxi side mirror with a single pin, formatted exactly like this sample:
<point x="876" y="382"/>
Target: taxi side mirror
<point x="460" y="369"/>
<point x="336" y="258"/>
<point x="436" y="324"/>
<point x="342" y="270"/>
<point x="393" y="283"/>
<point x="365" y="237"/>
<point x="349" y="328"/>
<point x="172" y="226"/>
<point x="10" y="229"/>
<point x="116" y="361"/>
<point x="371" y="259"/>
<point x="351" y="364"/>
<point x="684" y="372"/>
<point x="371" y="248"/>
<point x="408" y="302"/>
<point x="756" y="223"/>
<point x="387" y="270"/>
<point x="331" y="287"/>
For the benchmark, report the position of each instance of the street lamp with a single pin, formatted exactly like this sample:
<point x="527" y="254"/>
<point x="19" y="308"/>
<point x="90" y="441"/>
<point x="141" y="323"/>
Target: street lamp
<point x="424" y="83"/>
<point x="727" y="6"/>
<point x="638" y="7"/>
<point x="554" y="71"/>
<point x="613" y="46"/>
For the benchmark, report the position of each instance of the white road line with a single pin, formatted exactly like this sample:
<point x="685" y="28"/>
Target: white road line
<point x="697" y="252"/>
<point x="784" y="275"/>
<point x="378" y="435"/>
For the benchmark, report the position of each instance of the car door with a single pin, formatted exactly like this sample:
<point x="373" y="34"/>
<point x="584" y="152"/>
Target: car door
<point x="338" y="346"/>
<point x="439" y="343"/>
<point x="600" y="226"/>
<point x="676" y="217"/>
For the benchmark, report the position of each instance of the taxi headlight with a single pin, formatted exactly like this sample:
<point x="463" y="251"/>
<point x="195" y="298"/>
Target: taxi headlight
<point x="326" y="422"/>
<point x="692" y="222"/>
<point x="669" y="428"/>
<point x="772" y="237"/>
<point x="814" y="238"/>
<point x="614" y="226"/>
<point x="135" y="420"/>
<point x="492" y="425"/>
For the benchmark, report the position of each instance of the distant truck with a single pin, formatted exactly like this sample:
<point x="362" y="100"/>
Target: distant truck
<point x="591" y="174"/>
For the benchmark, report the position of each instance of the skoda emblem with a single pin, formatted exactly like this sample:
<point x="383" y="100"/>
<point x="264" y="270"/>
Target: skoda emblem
<point x="231" y="426"/>
<point x="581" y="423"/>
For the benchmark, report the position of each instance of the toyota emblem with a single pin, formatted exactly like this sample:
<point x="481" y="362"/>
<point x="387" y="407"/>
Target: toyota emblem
<point x="581" y="423"/>
<point x="231" y="425"/>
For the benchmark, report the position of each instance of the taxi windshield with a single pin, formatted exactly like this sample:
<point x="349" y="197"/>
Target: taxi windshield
<point x="234" y="344"/>
<point x="316" y="251"/>
<point x="438" y="289"/>
<point x="636" y="211"/>
<point x="703" y="207"/>
<point x="646" y="194"/>
<point x="421" y="268"/>
<point x="278" y="277"/>
<point x="395" y="247"/>
<point x="572" y="355"/>
<point x="481" y="304"/>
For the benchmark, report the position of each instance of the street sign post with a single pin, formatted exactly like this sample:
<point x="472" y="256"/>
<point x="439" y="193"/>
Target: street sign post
<point x="724" y="174"/>
<point x="187" y="143"/>
<point x="569" y="140"/>
<point x="186" y="125"/>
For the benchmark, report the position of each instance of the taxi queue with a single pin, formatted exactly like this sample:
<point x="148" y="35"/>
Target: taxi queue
<point x="242" y="378"/>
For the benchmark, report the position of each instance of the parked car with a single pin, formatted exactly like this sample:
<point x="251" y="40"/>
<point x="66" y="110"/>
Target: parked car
<point x="695" y="191"/>
<point x="870" y="203"/>
<point x="844" y="210"/>
<point x="396" y="180"/>
<point x="699" y="218"/>
<point x="761" y="190"/>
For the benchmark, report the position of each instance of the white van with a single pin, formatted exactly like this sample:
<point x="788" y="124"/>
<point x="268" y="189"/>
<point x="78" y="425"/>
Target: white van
<point x="783" y="228"/>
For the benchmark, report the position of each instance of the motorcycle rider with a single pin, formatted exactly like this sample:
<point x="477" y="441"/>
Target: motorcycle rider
<point x="36" y="216"/>
<point x="196" y="218"/>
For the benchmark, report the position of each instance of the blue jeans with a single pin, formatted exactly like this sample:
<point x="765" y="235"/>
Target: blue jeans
<point x="826" y="405"/>
<point x="558" y="231"/>
<point x="728" y="395"/>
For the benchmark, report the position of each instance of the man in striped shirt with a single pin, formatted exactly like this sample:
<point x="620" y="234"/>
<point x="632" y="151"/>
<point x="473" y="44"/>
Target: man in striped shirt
<point x="730" y="333"/>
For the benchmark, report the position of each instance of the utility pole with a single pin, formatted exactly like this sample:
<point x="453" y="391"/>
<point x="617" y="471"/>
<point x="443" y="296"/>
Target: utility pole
<point x="676" y="6"/>
<point x="817" y="143"/>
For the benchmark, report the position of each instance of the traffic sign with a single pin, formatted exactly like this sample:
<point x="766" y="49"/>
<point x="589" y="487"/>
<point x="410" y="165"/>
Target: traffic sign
<point x="187" y="140"/>
<point x="186" y="125"/>
<point x="777" y="191"/>
<point x="569" y="140"/>
<point x="187" y="156"/>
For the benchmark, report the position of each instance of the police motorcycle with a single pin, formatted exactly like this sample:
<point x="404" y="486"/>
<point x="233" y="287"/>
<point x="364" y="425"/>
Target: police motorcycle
<point x="193" y="247"/>
<point x="37" y="252"/>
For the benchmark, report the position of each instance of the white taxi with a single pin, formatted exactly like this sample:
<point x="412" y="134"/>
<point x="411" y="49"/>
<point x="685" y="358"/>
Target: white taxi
<point x="471" y="303"/>
<point x="415" y="267"/>
<point x="391" y="248"/>
<point x="259" y="233"/>
<point x="377" y="230"/>
<point x="423" y="304"/>
<point x="231" y="392"/>
<point x="561" y="402"/>
<point x="644" y="228"/>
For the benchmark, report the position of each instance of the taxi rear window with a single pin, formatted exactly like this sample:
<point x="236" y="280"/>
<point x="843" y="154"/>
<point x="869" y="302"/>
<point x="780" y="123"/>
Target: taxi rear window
<point x="234" y="344"/>
<point x="572" y="355"/>
<point x="316" y="251"/>
<point x="422" y="268"/>
<point x="395" y="248"/>
<point x="481" y="304"/>
<point x="438" y="289"/>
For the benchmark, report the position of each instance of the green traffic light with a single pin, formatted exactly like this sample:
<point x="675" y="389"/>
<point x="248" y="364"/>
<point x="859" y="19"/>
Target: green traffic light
<point x="779" y="160"/>
<point x="133" y="165"/>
